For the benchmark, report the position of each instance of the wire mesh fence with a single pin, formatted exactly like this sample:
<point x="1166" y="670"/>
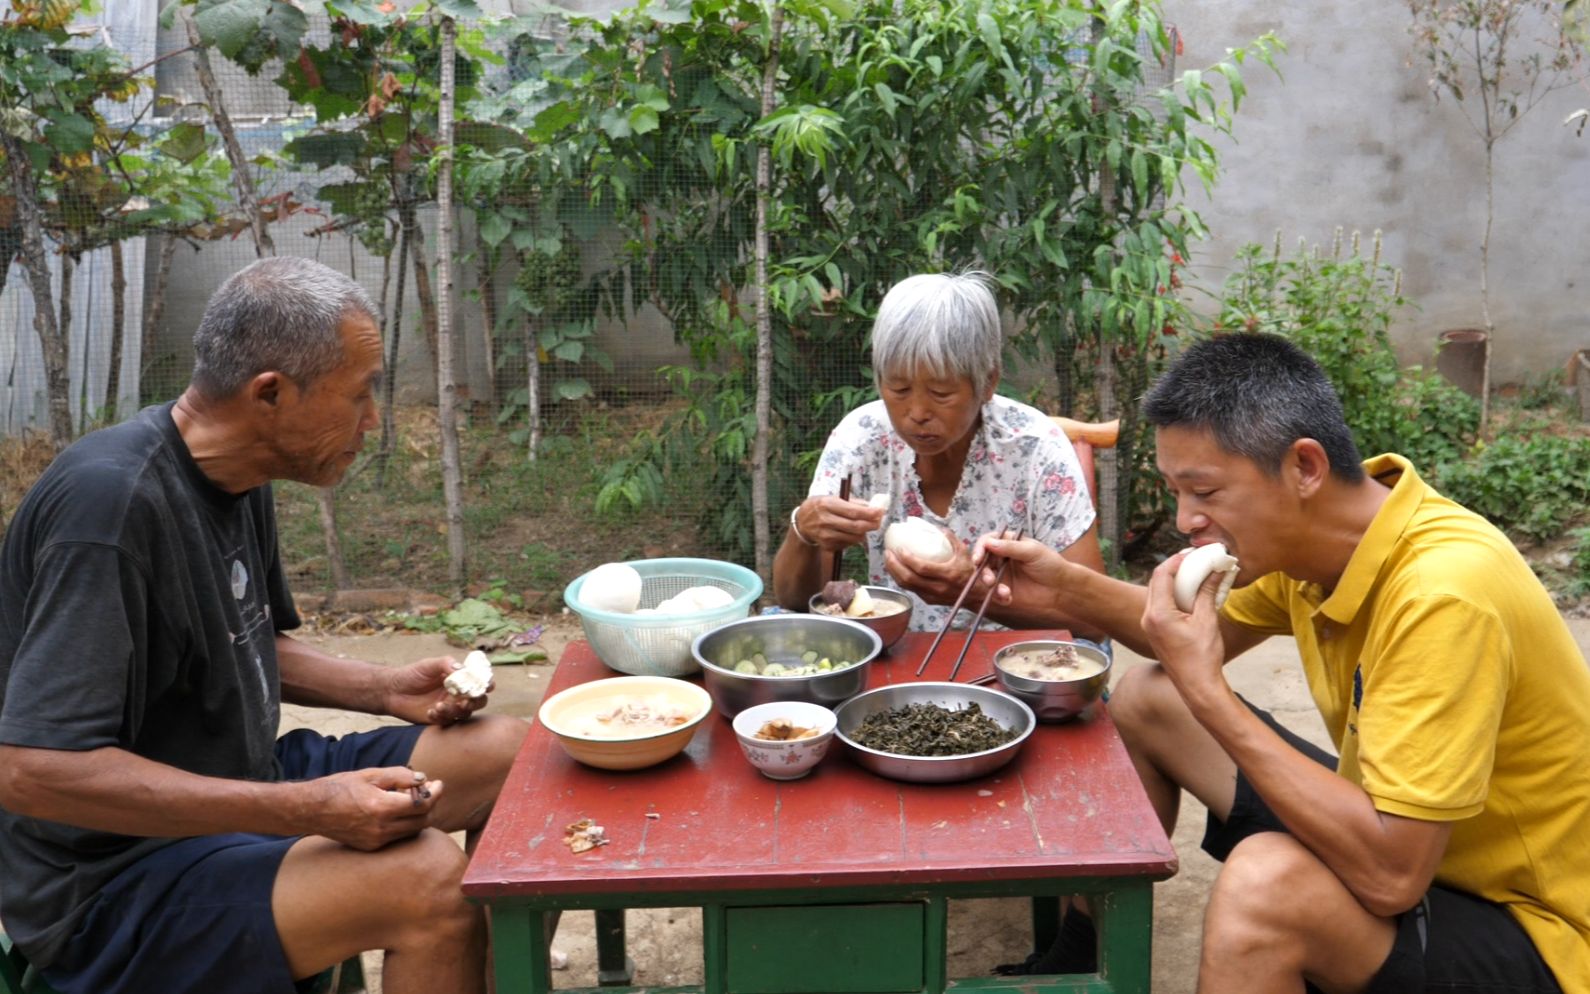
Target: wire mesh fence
<point x="607" y="185"/>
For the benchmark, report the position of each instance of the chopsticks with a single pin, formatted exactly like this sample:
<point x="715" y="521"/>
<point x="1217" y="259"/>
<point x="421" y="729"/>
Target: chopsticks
<point x="839" y="554"/>
<point x="977" y="621"/>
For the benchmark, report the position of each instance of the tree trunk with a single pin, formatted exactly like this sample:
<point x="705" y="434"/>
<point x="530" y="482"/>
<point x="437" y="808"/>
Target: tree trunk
<point x="1485" y="286"/>
<point x="1123" y="458"/>
<point x="118" y="330"/>
<point x="156" y="305"/>
<point x="340" y="580"/>
<point x="1104" y="460"/>
<point x="422" y="277"/>
<point x="389" y="382"/>
<point x="489" y="259"/>
<point x="56" y="348"/>
<point x="532" y="351"/>
<point x="68" y="277"/>
<point x="242" y="175"/>
<point x="446" y="388"/>
<point x="1065" y="355"/>
<point x="764" y="316"/>
<point x="10" y="244"/>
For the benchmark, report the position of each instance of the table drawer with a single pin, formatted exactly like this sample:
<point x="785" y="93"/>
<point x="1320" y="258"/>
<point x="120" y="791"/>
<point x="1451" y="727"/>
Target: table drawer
<point x="826" y="948"/>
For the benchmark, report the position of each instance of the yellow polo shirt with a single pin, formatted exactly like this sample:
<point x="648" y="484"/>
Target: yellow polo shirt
<point x="1455" y="692"/>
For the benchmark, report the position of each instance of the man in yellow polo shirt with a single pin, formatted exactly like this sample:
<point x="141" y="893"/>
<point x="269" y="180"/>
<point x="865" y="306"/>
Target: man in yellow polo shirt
<point x="1448" y="848"/>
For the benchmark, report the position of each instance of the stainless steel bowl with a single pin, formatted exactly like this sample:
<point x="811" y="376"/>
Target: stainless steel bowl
<point x="997" y="704"/>
<point x="782" y="638"/>
<point x="889" y="627"/>
<point x="1053" y="700"/>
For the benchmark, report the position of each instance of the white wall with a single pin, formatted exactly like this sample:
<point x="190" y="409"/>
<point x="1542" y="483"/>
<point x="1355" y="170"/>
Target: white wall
<point x="1352" y="136"/>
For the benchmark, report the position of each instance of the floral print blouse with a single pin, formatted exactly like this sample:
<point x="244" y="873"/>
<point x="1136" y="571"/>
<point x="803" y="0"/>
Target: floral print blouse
<point x="1021" y="471"/>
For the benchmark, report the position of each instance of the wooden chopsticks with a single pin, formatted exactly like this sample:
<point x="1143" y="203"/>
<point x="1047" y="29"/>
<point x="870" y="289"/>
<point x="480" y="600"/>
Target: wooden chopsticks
<point x="977" y="621"/>
<point x="839" y="554"/>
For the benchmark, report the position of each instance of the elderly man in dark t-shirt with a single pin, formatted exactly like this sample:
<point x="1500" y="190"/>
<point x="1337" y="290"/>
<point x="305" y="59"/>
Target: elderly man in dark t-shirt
<point x="159" y="836"/>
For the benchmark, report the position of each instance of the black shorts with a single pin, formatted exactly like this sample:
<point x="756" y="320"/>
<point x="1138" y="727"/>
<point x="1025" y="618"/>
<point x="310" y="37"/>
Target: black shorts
<point x="1451" y="942"/>
<point x="196" y="915"/>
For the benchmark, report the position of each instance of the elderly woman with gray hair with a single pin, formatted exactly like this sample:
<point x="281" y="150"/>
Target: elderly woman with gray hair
<point x="944" y="447"/>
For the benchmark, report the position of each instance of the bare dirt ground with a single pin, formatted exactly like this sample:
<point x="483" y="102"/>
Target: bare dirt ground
<point x="665" y="944"/>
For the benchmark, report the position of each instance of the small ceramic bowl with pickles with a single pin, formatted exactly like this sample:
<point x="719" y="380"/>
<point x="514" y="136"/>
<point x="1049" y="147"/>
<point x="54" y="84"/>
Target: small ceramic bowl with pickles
<point x="785" y="739"/>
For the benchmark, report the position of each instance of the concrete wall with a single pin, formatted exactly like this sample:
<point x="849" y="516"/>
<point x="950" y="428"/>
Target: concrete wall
<point x="1353" y="137"/>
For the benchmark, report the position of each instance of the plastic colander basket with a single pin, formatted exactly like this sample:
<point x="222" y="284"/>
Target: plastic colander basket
<point x="659" y="644"/>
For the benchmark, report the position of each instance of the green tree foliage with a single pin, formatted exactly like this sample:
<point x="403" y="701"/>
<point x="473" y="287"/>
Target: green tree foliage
<point x="919" y="136"/>
<point x="76" y="180"/>
<point x="1339" y="308"/>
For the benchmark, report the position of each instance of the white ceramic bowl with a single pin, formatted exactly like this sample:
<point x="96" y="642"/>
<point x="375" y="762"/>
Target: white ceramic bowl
<point x="785" y="759"/>
<point x="562" y="713"/>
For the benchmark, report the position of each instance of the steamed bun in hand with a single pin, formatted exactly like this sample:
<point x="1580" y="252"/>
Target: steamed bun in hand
<point x="920" y="538"/>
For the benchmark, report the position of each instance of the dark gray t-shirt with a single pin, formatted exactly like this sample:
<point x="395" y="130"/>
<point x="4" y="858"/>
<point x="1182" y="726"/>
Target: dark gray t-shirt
<point x="139" y="606"/>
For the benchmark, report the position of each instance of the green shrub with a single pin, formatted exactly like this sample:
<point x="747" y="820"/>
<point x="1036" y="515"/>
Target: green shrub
<point x="1340" y="310"/>
<point x="1532" y="484"/>
<point x="1580" y="585"/>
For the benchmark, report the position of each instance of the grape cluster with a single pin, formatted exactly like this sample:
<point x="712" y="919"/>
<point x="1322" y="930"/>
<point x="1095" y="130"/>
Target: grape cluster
<point x="370" y="205"/>
<point x="550" y="280"/>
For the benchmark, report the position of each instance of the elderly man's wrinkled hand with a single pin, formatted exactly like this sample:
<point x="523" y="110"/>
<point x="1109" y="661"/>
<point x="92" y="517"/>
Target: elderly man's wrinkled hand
<point x="418" y="694"/>
<point x="368" y="809"/>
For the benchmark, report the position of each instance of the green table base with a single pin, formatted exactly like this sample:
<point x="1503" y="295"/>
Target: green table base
<point x="842" y="922"/>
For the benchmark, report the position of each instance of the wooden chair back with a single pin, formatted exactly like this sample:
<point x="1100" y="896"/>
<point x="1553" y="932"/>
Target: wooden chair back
<point x="1086" y="436"/>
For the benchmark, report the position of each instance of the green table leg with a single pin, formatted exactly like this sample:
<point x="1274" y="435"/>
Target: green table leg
<point x="1045" y="921"/>
<point x="614" y="968"/>
<point x="936" y="946"/>
<point x="1125" y="919"/>
<point x="715" y="949"/>
<point x="521" y="950"/>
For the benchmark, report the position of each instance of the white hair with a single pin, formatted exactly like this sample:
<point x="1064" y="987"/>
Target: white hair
<point x="945" y="323"/>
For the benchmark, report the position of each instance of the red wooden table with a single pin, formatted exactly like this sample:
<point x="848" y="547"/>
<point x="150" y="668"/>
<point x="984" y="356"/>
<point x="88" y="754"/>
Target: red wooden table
<point x="837" y="881"/>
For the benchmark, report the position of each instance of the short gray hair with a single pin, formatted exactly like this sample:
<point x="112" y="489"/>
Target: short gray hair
<point x="282" y="314"/>
<point x="946" y="323"/>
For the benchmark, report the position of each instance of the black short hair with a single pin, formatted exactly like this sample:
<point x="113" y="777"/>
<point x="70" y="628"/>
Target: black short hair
<point x="1257" y="394"/>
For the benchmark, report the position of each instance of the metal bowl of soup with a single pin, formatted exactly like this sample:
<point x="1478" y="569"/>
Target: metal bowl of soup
<point x="1058" y="680"/>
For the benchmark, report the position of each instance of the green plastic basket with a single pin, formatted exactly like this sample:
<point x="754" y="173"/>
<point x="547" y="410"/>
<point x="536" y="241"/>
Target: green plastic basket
<point x="659" y="644"/>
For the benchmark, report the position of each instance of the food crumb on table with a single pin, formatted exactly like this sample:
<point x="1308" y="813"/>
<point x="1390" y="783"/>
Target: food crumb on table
<point x="583" y="835"/>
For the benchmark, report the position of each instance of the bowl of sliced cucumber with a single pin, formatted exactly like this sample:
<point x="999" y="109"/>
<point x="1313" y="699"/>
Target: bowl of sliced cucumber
<point x="785" y="657"/>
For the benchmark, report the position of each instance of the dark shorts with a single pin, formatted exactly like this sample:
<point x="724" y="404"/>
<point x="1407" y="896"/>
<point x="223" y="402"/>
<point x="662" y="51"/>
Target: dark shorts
<point x="195" y="916"/>
<point x="1451" y="942"/>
